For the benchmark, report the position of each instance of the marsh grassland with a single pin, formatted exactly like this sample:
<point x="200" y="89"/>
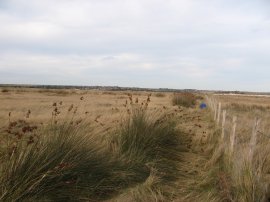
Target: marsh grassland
<point x="79" y="145"/>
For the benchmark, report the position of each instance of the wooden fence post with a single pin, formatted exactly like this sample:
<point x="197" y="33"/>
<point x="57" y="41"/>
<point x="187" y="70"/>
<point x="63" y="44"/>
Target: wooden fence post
<point x="219" y="111"/>
<point x="232" y="138"/>
<point x="212" y="104"/>
<point x="223" y="124"/>
<point x="253" y="139"/>
<point x="209" y="102"/>
<point x="215" y="110"/>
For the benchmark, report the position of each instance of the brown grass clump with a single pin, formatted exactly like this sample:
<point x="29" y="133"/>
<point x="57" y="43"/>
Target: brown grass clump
<point x="184" y="99"/>
<point x="109" y="93"/>
<point x="4" y="90"/>
<point x="160" y="95"/>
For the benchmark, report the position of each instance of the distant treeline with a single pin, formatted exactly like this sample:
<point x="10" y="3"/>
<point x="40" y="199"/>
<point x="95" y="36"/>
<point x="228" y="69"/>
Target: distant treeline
<point x="108" y="88"/>
<point x="117" y="88"/>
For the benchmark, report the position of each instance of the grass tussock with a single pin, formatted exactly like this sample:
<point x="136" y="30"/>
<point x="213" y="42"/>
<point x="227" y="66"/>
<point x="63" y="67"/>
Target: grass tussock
<point x="160" y="94"/>
<point x="73" y="161"/>
<point x="4" y="90"/>
<point x="184" y="99"/>
<point x="150" y="141"/>
<point x="64" y="164"/>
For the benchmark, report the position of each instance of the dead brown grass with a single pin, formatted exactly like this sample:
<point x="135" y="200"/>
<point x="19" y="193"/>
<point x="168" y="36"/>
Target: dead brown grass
<point x="248" y="176"/>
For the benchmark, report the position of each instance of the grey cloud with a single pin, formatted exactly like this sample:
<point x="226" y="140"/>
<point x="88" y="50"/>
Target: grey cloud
<point x="136" y="42"/>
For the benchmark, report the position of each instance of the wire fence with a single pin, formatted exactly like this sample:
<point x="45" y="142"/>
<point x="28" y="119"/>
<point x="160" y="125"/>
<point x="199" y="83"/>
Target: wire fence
<point x="228" y="124"/>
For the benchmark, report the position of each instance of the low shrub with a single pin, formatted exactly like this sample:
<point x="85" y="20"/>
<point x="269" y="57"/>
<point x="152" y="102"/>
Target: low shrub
<point x="160" y="95"/>
<point x="199" y="97"/>
<point x="4" y="90"/>
<point x="184" y="99"/>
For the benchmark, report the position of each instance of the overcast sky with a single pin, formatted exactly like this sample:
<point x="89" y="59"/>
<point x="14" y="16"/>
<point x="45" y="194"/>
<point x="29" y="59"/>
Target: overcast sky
<point x="202" y="44"/>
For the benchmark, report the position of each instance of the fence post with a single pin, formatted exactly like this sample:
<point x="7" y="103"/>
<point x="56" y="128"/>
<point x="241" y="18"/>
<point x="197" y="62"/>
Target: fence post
<point x="219" y="111"/>
<point x="215" y="110"/>
<point x="209" y="102"/>
<point x="232" y="138"/>
<point x="212" y="104"/>
<point x="253" y="139"/>
<point x="223" y="124"/>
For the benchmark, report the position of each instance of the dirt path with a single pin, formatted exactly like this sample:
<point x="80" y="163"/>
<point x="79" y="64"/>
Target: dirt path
<point x="198" y="128"/>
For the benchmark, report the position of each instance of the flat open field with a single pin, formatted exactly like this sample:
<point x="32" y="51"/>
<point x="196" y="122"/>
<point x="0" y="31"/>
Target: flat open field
<point x="130" y="146"/>
<point x="105" y="105"/>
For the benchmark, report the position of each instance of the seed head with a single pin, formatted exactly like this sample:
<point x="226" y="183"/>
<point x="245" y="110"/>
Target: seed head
<point x="70" y="108"/>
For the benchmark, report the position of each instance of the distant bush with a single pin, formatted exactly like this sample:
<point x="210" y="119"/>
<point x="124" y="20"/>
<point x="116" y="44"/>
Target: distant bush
<point x="199" y="97"/>
<point x="184" y="99"/>
<point x="61" y="92"/>
<point x="4" y="90"/>
<point x="109" y="93"/>
<point x="160" y="95"/>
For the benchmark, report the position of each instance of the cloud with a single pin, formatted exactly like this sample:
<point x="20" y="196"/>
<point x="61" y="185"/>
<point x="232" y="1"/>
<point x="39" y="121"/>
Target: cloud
<point x="186" y="43"/>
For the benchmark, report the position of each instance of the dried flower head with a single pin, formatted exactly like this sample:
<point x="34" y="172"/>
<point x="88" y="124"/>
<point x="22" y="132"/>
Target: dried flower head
<point x="70" y="108"/>
<point x="28" y="113"/>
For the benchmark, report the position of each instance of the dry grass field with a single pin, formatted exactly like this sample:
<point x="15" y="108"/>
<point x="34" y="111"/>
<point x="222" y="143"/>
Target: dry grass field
<point x="79" y="145"/>
<point x="247" y="152"/>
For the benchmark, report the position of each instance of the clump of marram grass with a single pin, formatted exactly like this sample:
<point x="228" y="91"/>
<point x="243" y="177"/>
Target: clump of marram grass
<point x="69" y="160"/>
<point x="66" y="164"/>
<point x="150" y="140"/>
<point x="184" y="99"/>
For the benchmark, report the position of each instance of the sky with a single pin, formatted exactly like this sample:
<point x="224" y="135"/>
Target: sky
<point x="181" y="44"/>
